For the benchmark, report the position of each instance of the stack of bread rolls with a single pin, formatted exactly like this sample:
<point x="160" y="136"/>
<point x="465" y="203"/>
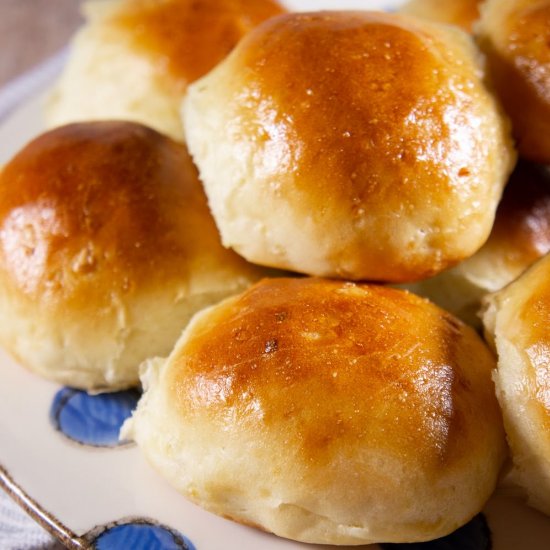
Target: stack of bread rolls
<point x="360" y="150"/>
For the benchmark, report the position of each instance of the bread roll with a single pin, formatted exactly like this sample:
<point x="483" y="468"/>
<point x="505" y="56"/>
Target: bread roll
<point x="515" y="35"/>
<point x="520" y="236"/>
<point x="359" y="145"/>
<point x="107" y="248"/>
<point x="517" y="320"/>
<point x="134" y="58"/>
<point x="463" y="13"/>
<point x="326" y="412"/>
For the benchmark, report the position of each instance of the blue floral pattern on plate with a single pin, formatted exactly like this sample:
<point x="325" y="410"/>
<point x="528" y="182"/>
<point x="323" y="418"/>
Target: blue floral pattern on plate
<point x="138" y="535"/>
<point x="93" y="420"/>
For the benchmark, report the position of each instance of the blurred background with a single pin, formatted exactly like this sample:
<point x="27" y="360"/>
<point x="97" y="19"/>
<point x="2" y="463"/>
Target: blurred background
<point x="33" y="30"/>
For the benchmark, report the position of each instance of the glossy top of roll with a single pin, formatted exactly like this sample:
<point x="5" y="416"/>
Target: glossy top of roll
<point x="91" y="209"/>
<point x="347" y="99"/>
<point x="358" y="127"/>
<point x="276" y="353"/>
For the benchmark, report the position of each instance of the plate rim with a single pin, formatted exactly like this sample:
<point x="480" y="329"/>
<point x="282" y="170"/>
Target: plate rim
<point x="45" y="519"/>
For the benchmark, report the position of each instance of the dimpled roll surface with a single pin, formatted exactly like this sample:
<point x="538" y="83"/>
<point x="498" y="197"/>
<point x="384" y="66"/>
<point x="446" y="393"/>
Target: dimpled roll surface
<point x="358" y="145"/>
<point x="326" y="412"/>
<point x="107" y="248"/>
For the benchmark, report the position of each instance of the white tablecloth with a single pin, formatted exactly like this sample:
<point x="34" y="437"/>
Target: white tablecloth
<point x="19" y="532"/>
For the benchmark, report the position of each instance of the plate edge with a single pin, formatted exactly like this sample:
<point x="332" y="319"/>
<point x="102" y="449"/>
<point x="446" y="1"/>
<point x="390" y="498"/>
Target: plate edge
<point x="46" y="520"/>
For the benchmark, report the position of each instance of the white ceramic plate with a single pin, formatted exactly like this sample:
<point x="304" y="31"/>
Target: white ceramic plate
<point x="80" y="492"/>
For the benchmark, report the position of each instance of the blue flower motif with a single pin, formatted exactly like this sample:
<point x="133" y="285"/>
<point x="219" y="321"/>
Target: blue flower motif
<point x="93" y="420"/>
<point x="475" y="535"/>
<point x="139" y="535"/>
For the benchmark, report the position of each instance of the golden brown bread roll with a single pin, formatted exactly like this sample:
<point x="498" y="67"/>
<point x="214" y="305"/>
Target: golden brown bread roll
<point x="520" y="236"/>
<point x="463" y="13"/>
<point x="107" y="248"/>
<point x="518" y="321"/>
<point x="327" y="412"/>
<point x="134" y="58"/>
<point x="316" y="156"/>
<point x="515" y="35"/>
